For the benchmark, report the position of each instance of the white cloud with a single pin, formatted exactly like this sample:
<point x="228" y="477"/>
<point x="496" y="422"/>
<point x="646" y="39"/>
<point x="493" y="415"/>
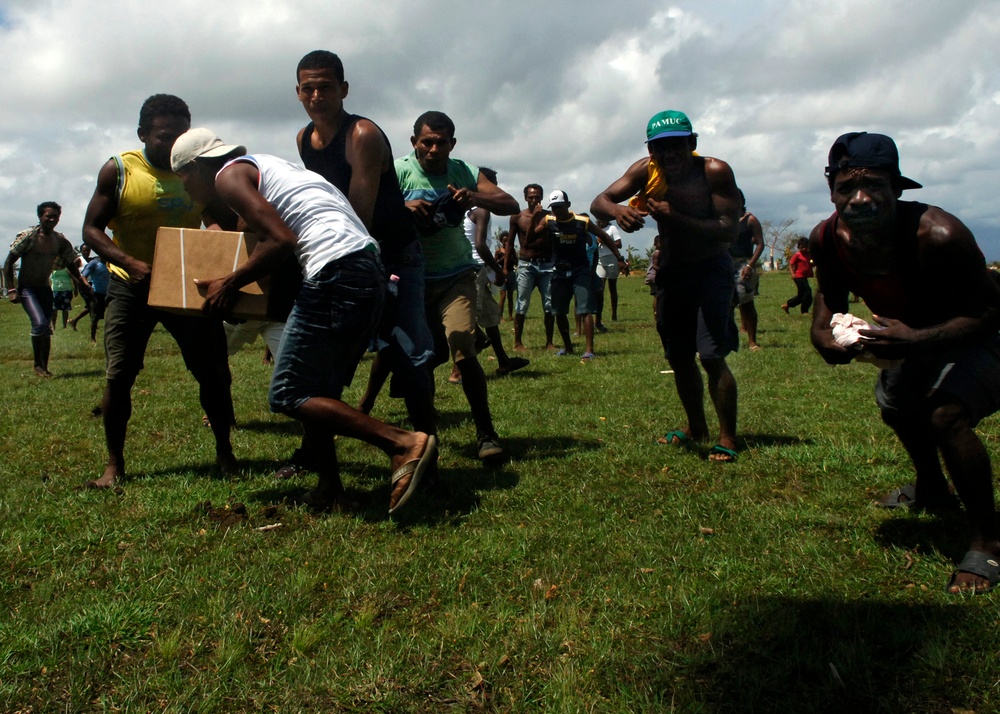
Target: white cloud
<point x="538" y="92"/>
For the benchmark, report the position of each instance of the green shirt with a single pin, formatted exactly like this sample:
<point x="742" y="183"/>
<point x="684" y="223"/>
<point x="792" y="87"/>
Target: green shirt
<point x="447" y="251"/>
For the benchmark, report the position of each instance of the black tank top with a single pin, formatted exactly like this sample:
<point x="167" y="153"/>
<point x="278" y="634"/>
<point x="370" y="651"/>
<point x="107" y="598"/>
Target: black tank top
<point x="743" y="247"/>
<point x="392" y="222"/>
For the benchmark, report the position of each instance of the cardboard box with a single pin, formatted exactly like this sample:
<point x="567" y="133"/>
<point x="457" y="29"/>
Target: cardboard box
<point x="183" y="254"/>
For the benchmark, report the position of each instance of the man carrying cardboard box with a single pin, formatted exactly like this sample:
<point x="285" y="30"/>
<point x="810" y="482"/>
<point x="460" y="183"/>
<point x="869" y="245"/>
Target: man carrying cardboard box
<point x="291" y="209"/>
<point x="136" y="194"/>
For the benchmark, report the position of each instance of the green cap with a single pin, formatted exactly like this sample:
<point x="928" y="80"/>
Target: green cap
<point x="668" y="123"/>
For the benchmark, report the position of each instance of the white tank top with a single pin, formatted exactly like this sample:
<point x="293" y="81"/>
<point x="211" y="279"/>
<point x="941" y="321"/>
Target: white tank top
<point x="314" y="209"/>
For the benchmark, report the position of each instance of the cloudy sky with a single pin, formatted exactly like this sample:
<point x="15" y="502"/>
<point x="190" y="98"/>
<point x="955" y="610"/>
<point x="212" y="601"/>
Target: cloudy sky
<point x="553" y="93"/>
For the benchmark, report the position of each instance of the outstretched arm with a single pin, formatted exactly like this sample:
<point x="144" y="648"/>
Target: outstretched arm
<point x="607" y="205"/>
<point x="607" y="240"/>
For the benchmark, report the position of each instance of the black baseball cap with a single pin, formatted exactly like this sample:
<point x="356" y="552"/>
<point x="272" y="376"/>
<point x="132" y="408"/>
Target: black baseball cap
<point x="859" y="149"/>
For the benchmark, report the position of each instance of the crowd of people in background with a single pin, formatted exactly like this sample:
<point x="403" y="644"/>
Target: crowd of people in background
<point x="395" y="255"/>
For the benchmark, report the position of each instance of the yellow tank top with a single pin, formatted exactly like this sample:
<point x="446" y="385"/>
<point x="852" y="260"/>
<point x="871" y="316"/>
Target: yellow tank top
<point x="147" y="199"/>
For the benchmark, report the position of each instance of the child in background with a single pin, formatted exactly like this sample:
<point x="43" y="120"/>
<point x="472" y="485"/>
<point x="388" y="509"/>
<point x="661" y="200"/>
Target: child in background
<point x="62" y="293"/>
<point x="800" y="266"/>
<point x="654" y="261"/>
<point x="97" y="273"/>
<point x="509" y="288"/>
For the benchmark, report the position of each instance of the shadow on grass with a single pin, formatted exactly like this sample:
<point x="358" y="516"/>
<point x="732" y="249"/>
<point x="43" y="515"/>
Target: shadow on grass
<point x="455" y="495"/>
<point x="541" y="448"/>
<point x="278" y="426"/>
<point x="750" y="440"/>
<point x="782" y="654"/>
<point x="89" y="374"/>
<point x="946" y="533"/>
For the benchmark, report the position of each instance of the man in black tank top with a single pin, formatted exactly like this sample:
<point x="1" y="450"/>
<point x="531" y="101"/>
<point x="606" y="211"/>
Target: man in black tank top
<point x="937" y="312"/>
<point x="353" y="154"/>
<point x="746" y="254"/>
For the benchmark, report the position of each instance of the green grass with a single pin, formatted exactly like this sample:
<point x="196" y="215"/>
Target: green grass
<point x="596" y="572"/>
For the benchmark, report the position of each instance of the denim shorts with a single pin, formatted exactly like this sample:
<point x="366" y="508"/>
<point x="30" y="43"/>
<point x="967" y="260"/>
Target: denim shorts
<point x="37" y="303"/>
<point x="487" y="310"/>
<point x="529" y="274"/>
<point x="334" y="318"/>
<point x="576" y="285"/>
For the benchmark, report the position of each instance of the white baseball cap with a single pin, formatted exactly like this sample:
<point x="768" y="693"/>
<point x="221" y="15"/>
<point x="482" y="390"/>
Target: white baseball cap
<point x="196" y="143"/>
<point x="558" y="197"/>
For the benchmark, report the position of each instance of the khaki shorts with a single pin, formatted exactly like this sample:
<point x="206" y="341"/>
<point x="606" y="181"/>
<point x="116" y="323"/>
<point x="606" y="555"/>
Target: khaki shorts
<point x="451" y="315"/>
<point x="487" y="310"/>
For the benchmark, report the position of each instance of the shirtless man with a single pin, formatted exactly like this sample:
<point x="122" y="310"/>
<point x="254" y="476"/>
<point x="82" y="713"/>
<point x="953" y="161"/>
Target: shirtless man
<point x="695" y="204"/>
<point x="534" y="268"/>
<point x="746" y="251"/>
<point x="937" y="306"/>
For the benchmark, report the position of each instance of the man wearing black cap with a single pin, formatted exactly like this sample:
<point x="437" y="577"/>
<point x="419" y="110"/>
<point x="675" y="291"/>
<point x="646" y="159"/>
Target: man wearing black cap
<point x="937" y="312"/>
<point x="696" y="206"/>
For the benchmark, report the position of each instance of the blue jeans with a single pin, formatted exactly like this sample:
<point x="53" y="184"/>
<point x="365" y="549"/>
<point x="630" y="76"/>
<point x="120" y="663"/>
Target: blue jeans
<point x="404" y="331"/>
<point x="529" y="274"/>
<point x="334" y="318"/>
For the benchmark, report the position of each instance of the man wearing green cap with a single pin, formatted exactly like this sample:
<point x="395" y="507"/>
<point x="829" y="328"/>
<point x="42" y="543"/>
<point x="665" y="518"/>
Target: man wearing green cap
<point x="937" y="311"/>
<point x="696" y="206"/>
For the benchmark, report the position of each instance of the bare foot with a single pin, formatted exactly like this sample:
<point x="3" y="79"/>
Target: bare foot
<point x="519" y="347"/>
<point x="680" y="436"/>
<point x="319" y="500"/>
<point x="551" y="347"/>
<point x="108" y="480"/>
<point x="227" y="464"/>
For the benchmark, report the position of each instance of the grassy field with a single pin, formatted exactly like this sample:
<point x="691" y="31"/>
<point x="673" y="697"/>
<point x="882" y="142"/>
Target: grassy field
<point x="597" y="571"/>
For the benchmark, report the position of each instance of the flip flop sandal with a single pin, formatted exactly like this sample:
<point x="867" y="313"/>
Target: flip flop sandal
<point x="415" y="469"/>
<point x="902" y="497"/>
<point x="675" y="438"/>
<point x="906" y="497"/>
<point x="978" y="563"/>
<point x="724" y="455"/>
